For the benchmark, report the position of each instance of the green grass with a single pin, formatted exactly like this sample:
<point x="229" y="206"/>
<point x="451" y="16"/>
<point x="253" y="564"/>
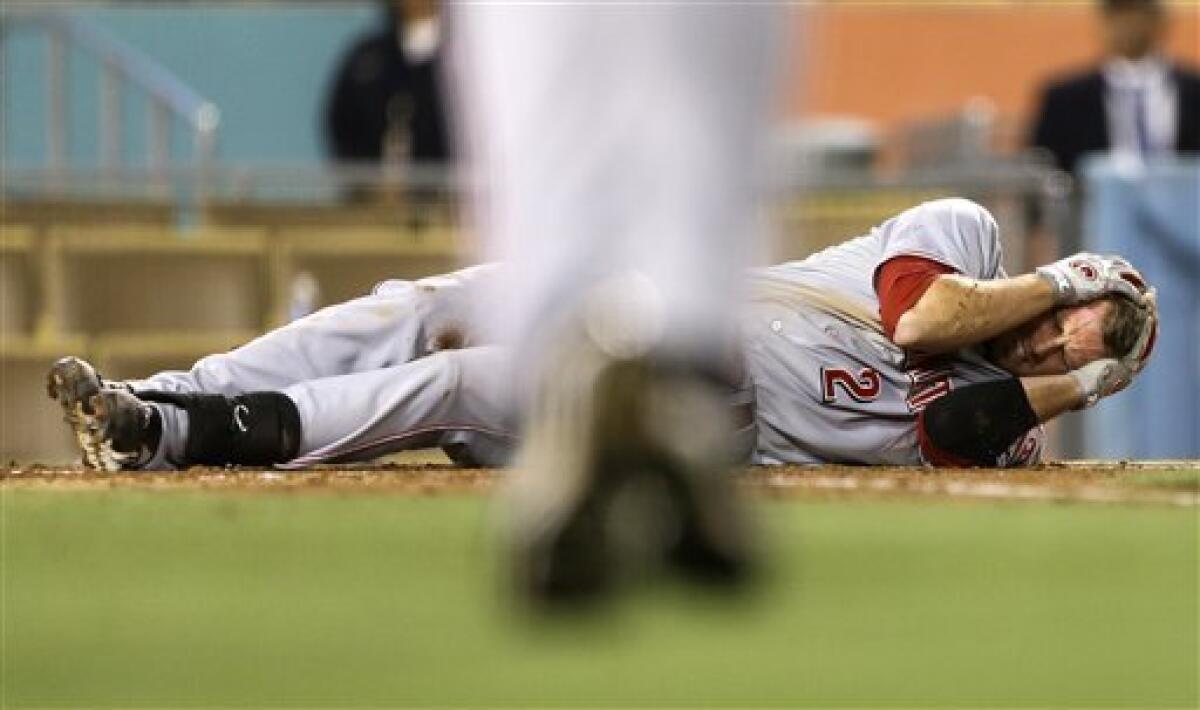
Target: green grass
<point x="137" y="598"/>
<point x="1183" y="479"/>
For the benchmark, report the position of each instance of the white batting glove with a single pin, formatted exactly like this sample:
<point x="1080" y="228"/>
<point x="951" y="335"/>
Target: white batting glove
<point x="1139" y="355"/>
<point x="1085" y="276"/>
<point x="1100" y="378"/>
<point x="1107" y="376"/>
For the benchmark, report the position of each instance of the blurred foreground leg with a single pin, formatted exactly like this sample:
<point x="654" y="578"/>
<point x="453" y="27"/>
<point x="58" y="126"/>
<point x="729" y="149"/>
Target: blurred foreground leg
<point x="616" y="153"/>
<point x="624" y="469"/>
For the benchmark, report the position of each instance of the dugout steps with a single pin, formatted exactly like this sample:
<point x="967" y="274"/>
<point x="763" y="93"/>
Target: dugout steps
<point x="16" y="282"/>
<point x="394" y="214"/>
<point x="74" y="279"/>
<point x="348" y="261"/>
<point x="143" y="279"/>
<point x="44" y="213"/>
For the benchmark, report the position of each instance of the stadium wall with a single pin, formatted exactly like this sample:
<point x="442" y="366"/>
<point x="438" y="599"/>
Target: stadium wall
<point x="900" y="62"/>
<point x="889" y="63"/>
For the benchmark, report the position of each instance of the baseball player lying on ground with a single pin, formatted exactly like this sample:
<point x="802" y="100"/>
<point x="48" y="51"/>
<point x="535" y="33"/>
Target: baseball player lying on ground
<point x="908" y="345"/>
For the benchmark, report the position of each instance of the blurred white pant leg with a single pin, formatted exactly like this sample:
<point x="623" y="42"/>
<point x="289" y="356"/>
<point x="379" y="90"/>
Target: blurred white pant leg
<point x="617" y="142"/>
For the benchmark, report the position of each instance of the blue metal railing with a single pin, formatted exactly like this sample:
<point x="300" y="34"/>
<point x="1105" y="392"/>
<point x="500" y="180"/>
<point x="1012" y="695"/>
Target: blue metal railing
<point x="167" y="96"/>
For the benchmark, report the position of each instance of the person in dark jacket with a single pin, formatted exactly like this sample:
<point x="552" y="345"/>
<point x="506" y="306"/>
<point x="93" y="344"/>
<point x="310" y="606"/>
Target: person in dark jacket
<point x="385" y="103"/>
<point x="1136" y="101"/>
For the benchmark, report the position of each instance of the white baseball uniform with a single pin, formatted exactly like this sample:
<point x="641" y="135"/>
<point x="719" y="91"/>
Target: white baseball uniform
<point x="394" y="370"/>
<point x="830" y="385"/>
<point x="399" y="369"/>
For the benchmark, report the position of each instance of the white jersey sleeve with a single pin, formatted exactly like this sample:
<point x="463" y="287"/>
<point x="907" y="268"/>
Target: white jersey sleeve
<point x="955" y="232"/>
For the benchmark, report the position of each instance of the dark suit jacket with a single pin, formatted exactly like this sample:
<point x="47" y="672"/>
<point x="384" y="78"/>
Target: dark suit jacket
<point x="373" y="76"/>
<point x="1072" y="121"/>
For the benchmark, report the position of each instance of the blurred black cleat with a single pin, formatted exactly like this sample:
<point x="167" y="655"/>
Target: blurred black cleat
<point x="626" y="470"/>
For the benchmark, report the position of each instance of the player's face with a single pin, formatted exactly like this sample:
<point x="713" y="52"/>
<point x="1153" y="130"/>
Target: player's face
<point x="1053" y="344"/>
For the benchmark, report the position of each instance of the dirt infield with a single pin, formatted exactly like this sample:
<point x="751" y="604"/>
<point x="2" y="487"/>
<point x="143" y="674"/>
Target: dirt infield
<point x="1156" y="482"/>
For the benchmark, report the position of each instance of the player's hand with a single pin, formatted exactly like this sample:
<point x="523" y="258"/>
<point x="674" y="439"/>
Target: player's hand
<point x="1084" y="276"/>
<point x="1101" y="378"/>
<point x="1107" y="376"/>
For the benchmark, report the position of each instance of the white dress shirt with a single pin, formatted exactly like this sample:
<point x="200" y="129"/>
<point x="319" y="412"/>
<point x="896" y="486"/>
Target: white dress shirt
<point x="1141" y="105"/>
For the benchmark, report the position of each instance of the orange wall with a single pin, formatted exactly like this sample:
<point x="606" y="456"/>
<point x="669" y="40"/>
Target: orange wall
<point x="895" y="62"/>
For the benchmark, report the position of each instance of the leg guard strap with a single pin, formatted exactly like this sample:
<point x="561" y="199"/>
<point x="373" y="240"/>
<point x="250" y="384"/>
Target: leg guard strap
<point x="256" y="429"/>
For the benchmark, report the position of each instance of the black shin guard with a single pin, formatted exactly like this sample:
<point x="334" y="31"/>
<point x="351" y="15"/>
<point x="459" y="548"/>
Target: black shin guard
<point x="256" y="429"/>
<point x="980" y="422"/>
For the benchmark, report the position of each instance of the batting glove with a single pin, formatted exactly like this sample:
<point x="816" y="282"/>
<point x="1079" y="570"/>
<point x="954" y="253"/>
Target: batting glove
<point x="1107" y="376"/>
<point x="1084" y="277"/>
<point x="1100" y="378"/>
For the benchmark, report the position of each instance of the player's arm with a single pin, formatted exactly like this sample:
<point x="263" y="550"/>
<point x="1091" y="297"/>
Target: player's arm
<point x="956" y="312"/>
<point x="928" y="307"/>
<point x="1052" y="395"/>
<point x="977" y="425"/>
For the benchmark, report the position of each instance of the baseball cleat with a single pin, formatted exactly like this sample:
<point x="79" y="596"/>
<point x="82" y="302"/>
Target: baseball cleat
<point x="686" y="445"/>
<point x="113" y="428"/>
<point x="625" y="469"/>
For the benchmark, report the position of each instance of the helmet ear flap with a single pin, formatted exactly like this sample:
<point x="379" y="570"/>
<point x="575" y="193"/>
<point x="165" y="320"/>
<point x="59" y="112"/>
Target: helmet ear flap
<point x="1145" y="343"/>
<point x="1145" y="356"/>
<point x="1131" y="275"/>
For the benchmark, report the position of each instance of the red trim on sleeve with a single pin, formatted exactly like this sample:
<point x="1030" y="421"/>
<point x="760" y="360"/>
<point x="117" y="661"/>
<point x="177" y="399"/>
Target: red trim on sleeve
<point x="931" y="453"/>
<point x="900" y="283"/>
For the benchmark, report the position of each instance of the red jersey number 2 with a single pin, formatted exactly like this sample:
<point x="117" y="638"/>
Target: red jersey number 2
<point x="837" y="381"/>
